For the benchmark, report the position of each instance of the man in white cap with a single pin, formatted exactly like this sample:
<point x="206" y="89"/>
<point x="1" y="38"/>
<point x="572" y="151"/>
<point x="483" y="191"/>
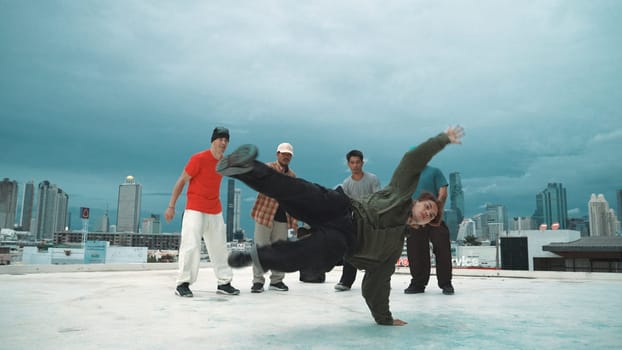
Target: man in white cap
<point x="272" y="222"/>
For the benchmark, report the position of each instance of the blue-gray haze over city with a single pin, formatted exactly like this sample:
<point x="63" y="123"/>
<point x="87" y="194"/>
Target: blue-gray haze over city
<point x="93" y="91"/>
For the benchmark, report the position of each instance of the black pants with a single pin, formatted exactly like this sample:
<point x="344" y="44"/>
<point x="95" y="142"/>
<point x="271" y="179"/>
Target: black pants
<point x="348" y="275"/>
<point x="418" y="249"/>
<point x="328" y="212"/>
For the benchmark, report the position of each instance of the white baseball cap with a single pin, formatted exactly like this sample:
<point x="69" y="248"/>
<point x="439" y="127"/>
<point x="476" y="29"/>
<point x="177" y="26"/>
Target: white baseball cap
<point x="285" y="148"/>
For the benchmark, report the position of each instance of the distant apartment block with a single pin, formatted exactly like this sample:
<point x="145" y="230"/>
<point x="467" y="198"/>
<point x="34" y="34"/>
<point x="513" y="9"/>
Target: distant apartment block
<point x="153" y="241"/>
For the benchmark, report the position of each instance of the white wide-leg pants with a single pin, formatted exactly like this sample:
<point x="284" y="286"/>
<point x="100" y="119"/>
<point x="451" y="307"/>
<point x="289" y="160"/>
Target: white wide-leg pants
<point x="212" y="228"/>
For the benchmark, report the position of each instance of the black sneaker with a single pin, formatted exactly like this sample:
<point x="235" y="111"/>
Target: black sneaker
<point x="257" y="287"/>
<point x="412" y="289"/>
<point x="341" y="287"/>
<point x="183" y="290"/>
<point x="448" y="289"/>
<point x="238" y="162"/>
<point x="280" y="286"/>
<point x="227" y="289"/>
<point x="239" y="259"/>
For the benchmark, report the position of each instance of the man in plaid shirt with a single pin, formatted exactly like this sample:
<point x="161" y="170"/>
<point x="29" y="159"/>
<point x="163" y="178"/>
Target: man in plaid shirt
<point x="272" y="222"/>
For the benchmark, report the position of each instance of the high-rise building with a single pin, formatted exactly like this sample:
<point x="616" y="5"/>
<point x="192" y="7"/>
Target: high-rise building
<point x="450" y="216"/>
<point x="538" y="215"/>
<point x="8" y="203"/>
<point x="522" y="223"/>
<point x="28" y="202"/>
<point x="456" y="195"/>
<point x="481" y="225"/>
<point x="579" y="224"/>
<point x="152" y="224"/>
<point x="602" y="218"/>
<point x="147" y="225"/>
<point x="497" y="220"/>
<point x="230" y="207"/>
<point x="105" y="223"/>
<point x="614" y="223"/>
<point x="467" y="228"/>
<point x="551" y="204"/>
<point x="237" y="201"/>
<point x="128" y="207"/>
<point x="238" y="232"/>
<point x="52" y="210"/>
<point x="619" y="198"/>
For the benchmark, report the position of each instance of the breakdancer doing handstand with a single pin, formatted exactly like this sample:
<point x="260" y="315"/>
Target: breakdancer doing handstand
<point x="369" y="233"/>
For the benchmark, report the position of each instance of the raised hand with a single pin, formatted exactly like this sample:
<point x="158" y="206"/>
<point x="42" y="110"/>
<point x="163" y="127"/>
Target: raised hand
<point x="455" y="134"/>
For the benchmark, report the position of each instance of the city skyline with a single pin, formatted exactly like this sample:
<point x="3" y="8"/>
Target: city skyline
<point x="95" y="91"/>
<point x="242" y="213"/>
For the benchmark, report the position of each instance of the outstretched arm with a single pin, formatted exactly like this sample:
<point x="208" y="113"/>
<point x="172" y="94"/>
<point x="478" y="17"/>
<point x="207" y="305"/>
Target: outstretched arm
<point x="416" y="159"/>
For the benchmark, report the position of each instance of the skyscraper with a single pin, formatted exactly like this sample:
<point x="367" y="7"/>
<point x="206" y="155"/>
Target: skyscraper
<point x="27" y="205"/>
<point x="105" y="223"/>
<point x="450" y="216"/>
<point x="230" y="204"/>
<point x="619" y="197"/>
<point x="467" y="228"/>
<point x="497" y="220"/>
<point x="128" y="207"/>
<point x="553" y="206"/>
<point x="481" y="225"/>
<point x="538" y="214"/>
<point x="456" y="195"/>
<point x="152" y="224"/>
<point x="522" y="223"/>
<point x="602" y="218"/>
<point x="52" y="206"/>
<point x="8" y="203"/>
<point x="157" y="224"/>
<point x="237" y="210"/>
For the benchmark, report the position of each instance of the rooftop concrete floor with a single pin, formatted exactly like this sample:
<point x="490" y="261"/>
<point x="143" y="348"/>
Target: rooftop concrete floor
<point x="104" y="307"/>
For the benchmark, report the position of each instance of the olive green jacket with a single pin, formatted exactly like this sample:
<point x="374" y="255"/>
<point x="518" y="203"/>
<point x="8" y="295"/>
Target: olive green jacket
<point x="380" y="227"/>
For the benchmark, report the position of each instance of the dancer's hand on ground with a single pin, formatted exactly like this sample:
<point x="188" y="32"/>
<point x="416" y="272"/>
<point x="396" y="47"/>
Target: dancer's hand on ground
<point x="455" y="133"/>
<point x="398" y="322"/>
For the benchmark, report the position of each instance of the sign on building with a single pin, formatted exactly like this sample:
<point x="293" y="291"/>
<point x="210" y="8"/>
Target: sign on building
<point x="95" y="252"/>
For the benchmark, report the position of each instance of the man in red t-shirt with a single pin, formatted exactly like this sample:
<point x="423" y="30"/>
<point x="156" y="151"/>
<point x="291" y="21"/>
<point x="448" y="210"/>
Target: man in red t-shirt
<point x="202" y="218"/>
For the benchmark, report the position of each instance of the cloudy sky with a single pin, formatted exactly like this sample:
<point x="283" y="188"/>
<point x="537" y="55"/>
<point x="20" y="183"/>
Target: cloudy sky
<point x="93" y="91"/>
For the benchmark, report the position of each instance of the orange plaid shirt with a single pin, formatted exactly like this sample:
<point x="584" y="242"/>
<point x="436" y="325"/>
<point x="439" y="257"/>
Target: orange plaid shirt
<point x="265" y="207"/>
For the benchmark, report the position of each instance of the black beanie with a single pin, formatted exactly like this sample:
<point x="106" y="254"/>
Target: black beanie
<point x="220" y="132"/>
